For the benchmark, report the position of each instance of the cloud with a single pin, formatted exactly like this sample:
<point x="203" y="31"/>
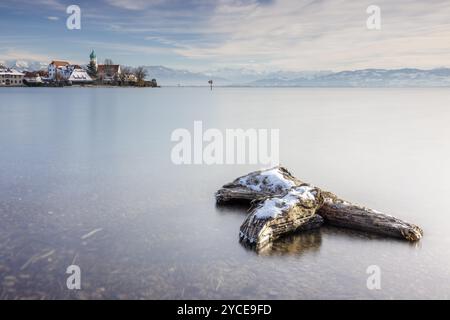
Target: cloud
<point x="133" y="4"/>
<point x="273" y="34"/>
<point x="53" y="18"/>
<point x="118" y="48"/>
<point x="327" y="34"/>
<point x="19" y="54"/>
<point x="293" y="34"/>
<point x="47" y="4"/>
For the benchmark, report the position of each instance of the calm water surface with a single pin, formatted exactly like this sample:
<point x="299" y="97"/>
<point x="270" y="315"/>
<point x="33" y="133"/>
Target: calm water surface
<point x="78" y="160"/>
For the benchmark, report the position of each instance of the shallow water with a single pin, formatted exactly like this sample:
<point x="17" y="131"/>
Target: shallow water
<point x="77" y="160"/>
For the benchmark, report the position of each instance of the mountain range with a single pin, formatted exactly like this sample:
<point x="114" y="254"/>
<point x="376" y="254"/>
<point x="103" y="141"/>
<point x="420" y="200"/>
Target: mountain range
<point x="24" y="65"/>
<point x="404" y="77"/>
<point x="223" y="77"/>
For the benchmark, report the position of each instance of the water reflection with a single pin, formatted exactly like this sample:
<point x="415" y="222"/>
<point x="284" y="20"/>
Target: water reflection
<point x="356" y="235"/>
<point x="292" y="244"/>
<point x="238" y="207"/>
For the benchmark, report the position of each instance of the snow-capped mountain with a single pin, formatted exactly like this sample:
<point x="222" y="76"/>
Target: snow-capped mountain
<point x="25" y="65"/>
<point x="222" y="77"/>
<point x="174" y="77"/>
<point x="407" y="77"/>
<point x="236" y="75"/>
<point x="245" y="76"/>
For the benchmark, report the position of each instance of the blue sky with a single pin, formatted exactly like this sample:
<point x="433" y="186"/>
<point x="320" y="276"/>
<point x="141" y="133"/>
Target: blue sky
<point x="207" y="34"/>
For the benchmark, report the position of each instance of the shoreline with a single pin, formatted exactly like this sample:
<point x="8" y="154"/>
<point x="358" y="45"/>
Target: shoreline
<point x="232" y="86"/>
<point x="80" y="86"/>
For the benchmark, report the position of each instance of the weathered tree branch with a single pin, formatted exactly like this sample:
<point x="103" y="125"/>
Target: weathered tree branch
<point x="259" y="185"/>
<point x="341" y="213"/>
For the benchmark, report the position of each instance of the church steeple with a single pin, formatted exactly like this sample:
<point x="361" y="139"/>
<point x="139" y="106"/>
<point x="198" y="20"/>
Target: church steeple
<point x="93" y="58"/>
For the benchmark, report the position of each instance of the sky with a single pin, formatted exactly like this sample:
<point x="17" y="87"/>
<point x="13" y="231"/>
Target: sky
<point x="199" y="35"/>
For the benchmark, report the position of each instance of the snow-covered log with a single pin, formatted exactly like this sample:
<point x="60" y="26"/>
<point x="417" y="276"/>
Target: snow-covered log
<point x="277" y="181"/>
<point x="278" y="215"/>
<point x="257" y="185"/>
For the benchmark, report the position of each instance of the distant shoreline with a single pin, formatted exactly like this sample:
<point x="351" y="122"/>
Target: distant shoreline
<point x="237" y="86"/>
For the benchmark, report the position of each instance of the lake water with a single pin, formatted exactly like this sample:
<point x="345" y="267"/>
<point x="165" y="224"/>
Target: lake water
<point x="86" y="178"/>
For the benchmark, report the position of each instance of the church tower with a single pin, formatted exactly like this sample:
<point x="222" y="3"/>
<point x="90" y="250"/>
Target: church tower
<point x="93" y="61"/>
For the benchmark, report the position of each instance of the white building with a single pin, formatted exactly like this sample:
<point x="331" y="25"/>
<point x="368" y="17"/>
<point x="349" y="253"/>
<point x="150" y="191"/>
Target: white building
<point x="54" y="68"/>
<point x="63" y="70"/>
<point x="79" y="75"/>
<point x="10" y="77"/>
<point x="33" y="79"/>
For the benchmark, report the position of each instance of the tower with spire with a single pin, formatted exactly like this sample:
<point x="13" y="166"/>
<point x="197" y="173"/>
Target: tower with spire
<point x="93" y="60"/>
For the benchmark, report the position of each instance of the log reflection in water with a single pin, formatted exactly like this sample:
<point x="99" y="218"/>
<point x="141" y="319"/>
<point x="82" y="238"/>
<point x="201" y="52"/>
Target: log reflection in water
<point x="293" y="244"/>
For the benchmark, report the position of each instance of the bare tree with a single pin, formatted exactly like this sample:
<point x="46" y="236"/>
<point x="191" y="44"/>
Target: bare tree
<point x="109" y="70"/>
<point x="140" y="73"/>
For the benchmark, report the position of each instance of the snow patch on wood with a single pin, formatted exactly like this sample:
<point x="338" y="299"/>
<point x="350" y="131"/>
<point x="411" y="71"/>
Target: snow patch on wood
<point x="273" y="207"/>
<point x="272" y="181"/>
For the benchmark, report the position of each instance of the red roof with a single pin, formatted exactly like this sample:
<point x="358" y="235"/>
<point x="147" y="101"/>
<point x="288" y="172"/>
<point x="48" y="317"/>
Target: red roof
<point x="110" y="68"/>
<point x="59" y="63"/>
<point x="31" y="74"/>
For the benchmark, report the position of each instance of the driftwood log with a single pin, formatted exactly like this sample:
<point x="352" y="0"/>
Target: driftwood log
<point x="341" y="213"/>
<point x="259" y="185"/>
<point x="276" y="216"/>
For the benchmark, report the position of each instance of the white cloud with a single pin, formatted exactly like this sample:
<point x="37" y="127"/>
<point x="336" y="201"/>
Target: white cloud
<point x="48" y="4"/>
<point x="52" y="18"/>
<point x="18" y="54"/>
<point x="118" y="48"/>
<point x="271" y="34"/>
<point x="328" y="34"/>
<point x="133" y="4"/>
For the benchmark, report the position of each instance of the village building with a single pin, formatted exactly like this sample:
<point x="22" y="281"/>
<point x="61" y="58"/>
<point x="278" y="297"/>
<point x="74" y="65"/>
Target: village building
<point x="129" y="78"/>
<point x="53" y="68"/>
<point x="109" y="72"/>
<point x="63" y="70"/>
<point x="10" y="77"/>
<point x="79" y="76"/>
<point x="34" y="78"/>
